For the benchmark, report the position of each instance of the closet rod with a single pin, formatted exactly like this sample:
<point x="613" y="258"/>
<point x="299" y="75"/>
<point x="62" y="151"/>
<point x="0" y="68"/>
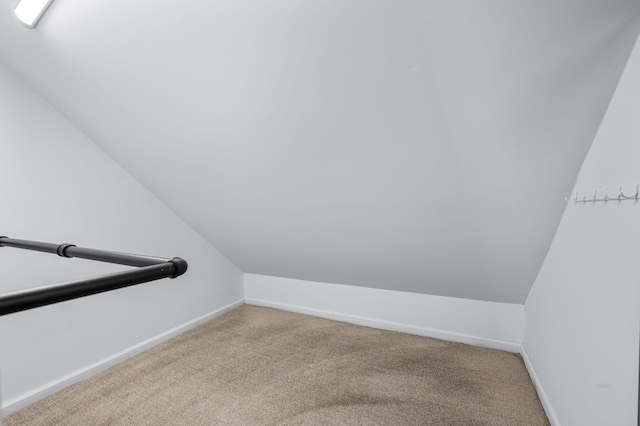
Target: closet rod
<point x="150" y="269"/>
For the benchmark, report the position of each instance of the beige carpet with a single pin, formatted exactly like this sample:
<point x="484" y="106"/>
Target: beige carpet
<point x="261" y="366"/>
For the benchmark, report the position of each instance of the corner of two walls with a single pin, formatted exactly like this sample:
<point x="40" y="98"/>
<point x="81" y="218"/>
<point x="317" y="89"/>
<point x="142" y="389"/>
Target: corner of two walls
<point x="582" y="323"/>
<point x="59" y="187"/>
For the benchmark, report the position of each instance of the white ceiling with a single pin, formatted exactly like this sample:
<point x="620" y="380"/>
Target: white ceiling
<point x="421" y="146"/>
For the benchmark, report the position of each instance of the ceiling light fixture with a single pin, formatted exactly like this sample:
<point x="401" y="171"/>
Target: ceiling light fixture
<point x="30" y="11"/>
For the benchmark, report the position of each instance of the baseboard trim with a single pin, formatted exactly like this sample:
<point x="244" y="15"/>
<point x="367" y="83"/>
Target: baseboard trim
<point x="544" y="398"/>
<point x="393" y="326"/>
<point x="21" y="401"/>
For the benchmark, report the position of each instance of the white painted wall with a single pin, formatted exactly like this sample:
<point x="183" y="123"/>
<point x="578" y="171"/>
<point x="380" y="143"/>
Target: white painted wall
<point x="57" y="186"/>
<point x="480" y="323"/>
<point x="583" y="313"/>
<point x="419" y="146"/>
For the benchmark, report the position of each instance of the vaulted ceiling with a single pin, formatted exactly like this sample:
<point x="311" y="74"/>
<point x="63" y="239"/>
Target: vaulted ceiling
<point x="421" y="146"/>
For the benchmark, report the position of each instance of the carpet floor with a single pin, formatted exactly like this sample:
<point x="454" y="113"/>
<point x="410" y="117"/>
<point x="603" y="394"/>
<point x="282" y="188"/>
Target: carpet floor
<point x="262" y="366"/>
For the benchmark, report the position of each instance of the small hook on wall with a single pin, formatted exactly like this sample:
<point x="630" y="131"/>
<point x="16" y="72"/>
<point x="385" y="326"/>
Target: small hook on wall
<point x="619" y="196"/>
<point x="630" y="197"/>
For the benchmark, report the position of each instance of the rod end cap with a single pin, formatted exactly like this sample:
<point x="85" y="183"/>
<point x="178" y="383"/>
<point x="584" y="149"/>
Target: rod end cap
<point x="180" y="266"/>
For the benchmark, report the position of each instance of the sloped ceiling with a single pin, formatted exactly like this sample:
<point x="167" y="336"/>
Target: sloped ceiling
<point x="421" y="146"/>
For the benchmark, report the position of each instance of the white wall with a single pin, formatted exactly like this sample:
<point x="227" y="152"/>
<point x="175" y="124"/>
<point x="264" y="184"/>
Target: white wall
<point x="374" y="143"/>
<point x="583" y="314"/>
<point x="57" y="186"/>
<point x="480" y="323"/>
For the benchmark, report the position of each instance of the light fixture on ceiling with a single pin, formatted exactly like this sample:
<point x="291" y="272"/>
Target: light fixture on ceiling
<point x="30" y="11"/>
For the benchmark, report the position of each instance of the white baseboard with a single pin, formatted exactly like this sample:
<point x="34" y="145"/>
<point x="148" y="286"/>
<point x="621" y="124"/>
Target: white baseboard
<point x="474" y="322"/>
<point x="23" y="400"/>
<point x="544" y="398"/>
<point x="393" y="326"/>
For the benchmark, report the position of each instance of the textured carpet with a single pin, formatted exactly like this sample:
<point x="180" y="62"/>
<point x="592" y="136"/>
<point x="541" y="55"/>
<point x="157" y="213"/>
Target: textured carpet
<point x="261" y="366"/>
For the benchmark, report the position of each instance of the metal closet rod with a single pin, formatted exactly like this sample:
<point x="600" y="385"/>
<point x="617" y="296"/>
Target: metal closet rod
<point x="150" y="269"/>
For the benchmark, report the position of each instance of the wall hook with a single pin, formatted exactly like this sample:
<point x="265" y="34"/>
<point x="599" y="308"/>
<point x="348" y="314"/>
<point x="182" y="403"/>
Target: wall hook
<point x="630" y="197"/>
<point x="606" y="194"/>
<point x="593" y="197"/>
<point x="574" y="197"/>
